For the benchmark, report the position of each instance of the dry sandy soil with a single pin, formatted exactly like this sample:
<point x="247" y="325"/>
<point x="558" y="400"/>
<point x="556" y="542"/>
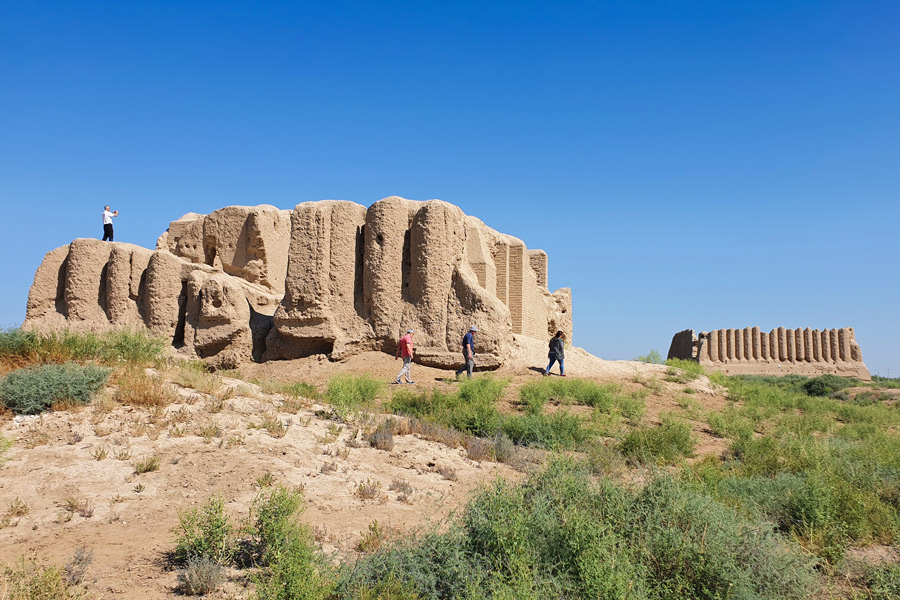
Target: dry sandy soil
<point x="127" y="519"/>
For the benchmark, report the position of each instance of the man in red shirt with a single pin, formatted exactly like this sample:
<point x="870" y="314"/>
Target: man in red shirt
<point x="405" y="350"/>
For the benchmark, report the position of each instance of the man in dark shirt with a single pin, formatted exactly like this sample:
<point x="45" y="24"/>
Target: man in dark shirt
<point x="468" y="344"/>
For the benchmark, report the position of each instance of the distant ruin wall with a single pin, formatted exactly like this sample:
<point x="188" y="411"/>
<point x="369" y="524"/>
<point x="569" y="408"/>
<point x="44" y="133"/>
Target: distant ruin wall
<point x="781" y="351"/>
<point x="329" y="277"/>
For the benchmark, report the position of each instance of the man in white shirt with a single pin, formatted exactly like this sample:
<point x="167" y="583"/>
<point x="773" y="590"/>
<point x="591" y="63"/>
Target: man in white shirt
<point x="107" y="223"/>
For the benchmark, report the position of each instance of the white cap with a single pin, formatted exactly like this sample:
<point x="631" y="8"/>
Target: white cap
<point x="473" y="328"/>
<point x="410" y="331"/>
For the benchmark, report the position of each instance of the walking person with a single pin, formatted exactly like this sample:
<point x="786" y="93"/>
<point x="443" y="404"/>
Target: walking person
<point x="557" y="353"/>
<point x="405" y="350"/>
<point x="468" y="344"/>
<point x="107" y="223"/>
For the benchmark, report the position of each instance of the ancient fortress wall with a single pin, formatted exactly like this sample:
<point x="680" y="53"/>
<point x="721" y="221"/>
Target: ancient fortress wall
<point x="329" y="277"/>
<point x="781" y="351"/>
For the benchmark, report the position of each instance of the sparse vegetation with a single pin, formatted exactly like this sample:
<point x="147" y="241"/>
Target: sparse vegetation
<point x="31" y="578"/>
<point x="111" y="348"/>
<point x="683" y="371"/>
<point x="369" y="490"/>
<point x="146" y="465"/>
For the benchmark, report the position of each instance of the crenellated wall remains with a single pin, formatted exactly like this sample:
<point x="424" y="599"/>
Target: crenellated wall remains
<point x="781" y="351"/>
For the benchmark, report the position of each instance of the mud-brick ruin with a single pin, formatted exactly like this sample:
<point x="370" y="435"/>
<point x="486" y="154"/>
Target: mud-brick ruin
<point x="781" y="351"/>
<point x="329" y="277"/>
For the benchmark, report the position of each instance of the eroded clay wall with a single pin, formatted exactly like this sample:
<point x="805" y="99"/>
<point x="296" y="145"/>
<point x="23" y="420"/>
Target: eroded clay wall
<point x="329" y="277"/>
<point x="781" y="351"/>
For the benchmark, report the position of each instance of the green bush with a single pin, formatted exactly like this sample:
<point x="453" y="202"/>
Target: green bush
<point x="534" y="395"/>
<point x="349" y="393"/>
<point x="562" y="535"/>
<point x="290" y="567"/>
<point x="557" y="431"/>
<point x="113" y="347"/>
<point x="699" y="548"/>
<point x="667" y="443"/>
<point x="207" y="532"/>
<point x="828" y="384"/>
<point x="653" y="357"/>
<point x="35" y="389"/>
<point x="471" y="408"/>
<point x="683" y="371"/>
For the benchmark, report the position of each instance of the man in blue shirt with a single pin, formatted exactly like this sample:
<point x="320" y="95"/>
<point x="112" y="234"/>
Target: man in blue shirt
<point x="468" y="344"/>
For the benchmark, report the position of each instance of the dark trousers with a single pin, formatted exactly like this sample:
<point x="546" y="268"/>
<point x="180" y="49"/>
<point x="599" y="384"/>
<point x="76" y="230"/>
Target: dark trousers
<point x="107" y="232"/>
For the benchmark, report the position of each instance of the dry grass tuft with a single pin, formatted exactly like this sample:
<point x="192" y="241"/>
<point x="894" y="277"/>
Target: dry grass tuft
<point x="136" y="388"/>
<point x="479" y="449"/>
<point x="369" y="490"/>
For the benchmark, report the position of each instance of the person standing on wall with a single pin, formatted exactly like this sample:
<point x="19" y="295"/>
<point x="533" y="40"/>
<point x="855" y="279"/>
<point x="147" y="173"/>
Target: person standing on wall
<point x="107" y="223"/>
<point x="405" y="350"/>
<point x="557" y="353"/>
<point x="468" y="344"/>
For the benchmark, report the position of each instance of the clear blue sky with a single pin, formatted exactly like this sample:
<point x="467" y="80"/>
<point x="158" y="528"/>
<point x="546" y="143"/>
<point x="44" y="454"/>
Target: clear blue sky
<point x="684" y="164"/>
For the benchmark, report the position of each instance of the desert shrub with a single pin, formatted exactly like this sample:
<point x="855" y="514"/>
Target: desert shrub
<point x="433" y="565"/>
<point x="114" y="347"/>
<point x="382" y="438"/>
<point x="146" y="465"/>
<point x="504" y="449"/>
<point x="560" y="534"/>
<point x="76" y="568"/>
<point x="828" y="384"/>
<point x="472" y="408"/>
<point x="557" y="431"/>
<point x="201" y="575"/>
<point x="667" y="443"/>
<point x="205" y="531"/>
<point x="683" y="371"/>
<point x="696" y="547"/>
<point x="136" y="388"/>
<point x="33" y="390"/>
<point x="301" y="389"/>
<point x="290" y="567"/>
<point x="349" y="393"/>
<point x="298" y="389"/>
<point x="479" y="449"/>
<point x="653" y="357"/>
<point x="32" y="579"/>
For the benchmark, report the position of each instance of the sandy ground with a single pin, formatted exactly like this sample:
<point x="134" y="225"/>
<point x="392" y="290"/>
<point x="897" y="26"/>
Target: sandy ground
<point x="127" y="519"/>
